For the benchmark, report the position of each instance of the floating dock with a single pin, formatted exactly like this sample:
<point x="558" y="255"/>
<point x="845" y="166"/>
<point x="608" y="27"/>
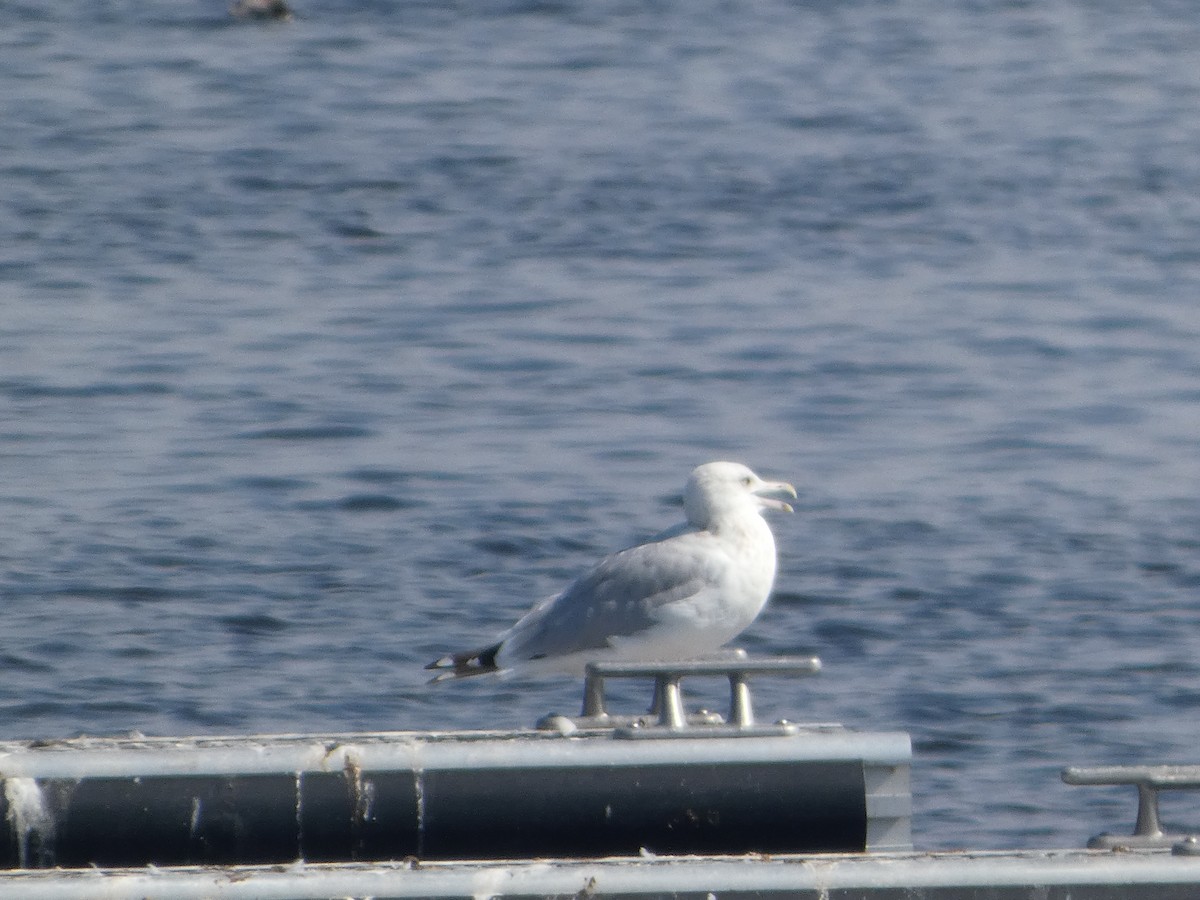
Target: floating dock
<point x="671" y="804"/>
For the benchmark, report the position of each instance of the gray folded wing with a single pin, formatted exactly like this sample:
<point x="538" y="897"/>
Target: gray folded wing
<point x="622" y="596"/>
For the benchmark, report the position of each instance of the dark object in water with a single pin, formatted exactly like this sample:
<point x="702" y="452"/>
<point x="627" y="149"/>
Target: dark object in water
<point x="261" y="9"/>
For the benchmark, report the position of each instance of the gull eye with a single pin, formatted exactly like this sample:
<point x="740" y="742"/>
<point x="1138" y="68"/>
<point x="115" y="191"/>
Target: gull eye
<point x="747" y="480"/>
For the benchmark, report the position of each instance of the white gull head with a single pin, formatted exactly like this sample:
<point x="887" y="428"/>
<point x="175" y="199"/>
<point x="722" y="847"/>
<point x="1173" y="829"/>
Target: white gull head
<point x="719" y="492"/>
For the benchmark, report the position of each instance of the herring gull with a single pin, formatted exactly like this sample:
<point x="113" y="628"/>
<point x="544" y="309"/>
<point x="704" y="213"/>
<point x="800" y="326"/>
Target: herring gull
<point x="684" y="593"/>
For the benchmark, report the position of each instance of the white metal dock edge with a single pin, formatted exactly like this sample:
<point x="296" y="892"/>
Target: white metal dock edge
<point x="997" y="875"/>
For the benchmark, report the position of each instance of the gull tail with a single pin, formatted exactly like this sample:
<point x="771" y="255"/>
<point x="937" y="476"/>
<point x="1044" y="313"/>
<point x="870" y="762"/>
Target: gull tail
<point x="465" y="664"/>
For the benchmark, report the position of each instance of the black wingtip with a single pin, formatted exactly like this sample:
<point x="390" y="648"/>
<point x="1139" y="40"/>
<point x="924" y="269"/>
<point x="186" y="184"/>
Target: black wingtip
<point x="465" y="665"/>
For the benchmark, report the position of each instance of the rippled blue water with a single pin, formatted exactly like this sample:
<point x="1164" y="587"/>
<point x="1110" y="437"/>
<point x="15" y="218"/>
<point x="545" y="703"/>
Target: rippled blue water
<point x="329" y="346"/>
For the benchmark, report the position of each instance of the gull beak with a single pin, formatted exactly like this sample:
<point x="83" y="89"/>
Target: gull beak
<point x="764" y="490"/>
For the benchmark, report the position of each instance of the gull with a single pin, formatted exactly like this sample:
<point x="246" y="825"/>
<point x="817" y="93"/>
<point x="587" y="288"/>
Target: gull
<point x="682" y="594"/>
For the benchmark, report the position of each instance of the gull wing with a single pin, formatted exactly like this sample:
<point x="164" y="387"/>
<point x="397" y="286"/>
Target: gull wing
<point x="624" y="595"/>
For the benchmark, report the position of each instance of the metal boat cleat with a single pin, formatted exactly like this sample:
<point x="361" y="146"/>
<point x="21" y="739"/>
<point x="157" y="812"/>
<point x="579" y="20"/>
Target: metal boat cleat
<point x="668" y="716"/>
<point x="1148" y="832"/>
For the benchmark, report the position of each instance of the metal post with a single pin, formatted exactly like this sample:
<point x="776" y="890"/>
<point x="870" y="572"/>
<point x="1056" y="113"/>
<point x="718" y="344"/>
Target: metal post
<point x="670" y="713"/>
<point x="1148" y="822"/>
<point x="741" y="708"/>
<point x="593" y="696"/>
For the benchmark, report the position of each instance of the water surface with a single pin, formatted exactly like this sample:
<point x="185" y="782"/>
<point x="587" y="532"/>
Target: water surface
<point x="330" y="346"/>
